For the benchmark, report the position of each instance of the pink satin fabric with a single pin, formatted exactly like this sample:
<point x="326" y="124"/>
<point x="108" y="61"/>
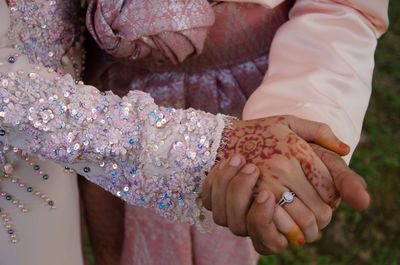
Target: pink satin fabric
<point x="136" y="28"/>
<point x="321" y="65"/>
<point x="219" y="80"/>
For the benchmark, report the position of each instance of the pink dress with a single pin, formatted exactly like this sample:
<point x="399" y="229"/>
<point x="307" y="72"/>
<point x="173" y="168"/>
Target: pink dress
<point x="215" y="74"/>
<point x="212" y="55"/>
<point x="318" y="70"/>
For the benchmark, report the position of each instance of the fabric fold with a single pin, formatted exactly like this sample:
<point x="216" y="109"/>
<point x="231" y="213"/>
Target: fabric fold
<point x="164" y="30"/>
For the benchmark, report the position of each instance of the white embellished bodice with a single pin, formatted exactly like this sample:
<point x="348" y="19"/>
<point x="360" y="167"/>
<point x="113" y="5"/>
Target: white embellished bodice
<point x="39" y="199"/>
<point x="149" y="156"/>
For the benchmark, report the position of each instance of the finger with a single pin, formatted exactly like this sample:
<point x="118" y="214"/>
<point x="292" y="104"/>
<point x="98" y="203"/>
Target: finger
<point x="220" y="185"/>
<point x="316" y="172"/>
<point x="317" y="132"/>
<point x="321" y="184"/>
<point x="299" y="212"/>
<point x="239" y="197"/>
<point x="304" y="218"/>
<point x="262" y="230"/>
<point x="351" y="186"/>
<point x="207" y="184"/>
<point x="297" y="182"/>
<point x="288" y="227"/>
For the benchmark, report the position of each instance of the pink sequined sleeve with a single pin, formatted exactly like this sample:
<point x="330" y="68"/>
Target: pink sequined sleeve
<point x="149" y="156"/>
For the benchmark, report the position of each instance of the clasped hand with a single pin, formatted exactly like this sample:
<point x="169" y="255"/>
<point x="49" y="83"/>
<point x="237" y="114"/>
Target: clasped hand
<point x="267" y="157"/>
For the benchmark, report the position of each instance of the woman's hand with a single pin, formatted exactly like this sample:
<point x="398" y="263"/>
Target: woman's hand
<point x="277" y="145"/>
<point x="270" y="226"/>
<point x="274" y="146"/>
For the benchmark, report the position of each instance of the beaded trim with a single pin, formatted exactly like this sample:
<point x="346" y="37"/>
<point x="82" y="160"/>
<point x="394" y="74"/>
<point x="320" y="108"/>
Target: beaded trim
<point x="5" y="175"/>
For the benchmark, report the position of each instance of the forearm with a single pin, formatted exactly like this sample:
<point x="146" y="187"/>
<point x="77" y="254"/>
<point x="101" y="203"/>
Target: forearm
<point x="321" y="64"/>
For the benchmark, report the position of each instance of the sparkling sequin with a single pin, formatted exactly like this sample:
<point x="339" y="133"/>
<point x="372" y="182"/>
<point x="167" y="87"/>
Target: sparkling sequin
<point x="44" y="30"/>
<point x="119" y="135"/>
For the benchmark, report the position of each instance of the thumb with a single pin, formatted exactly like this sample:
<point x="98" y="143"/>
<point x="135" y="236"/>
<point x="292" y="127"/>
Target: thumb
<point x="317" y="132"/>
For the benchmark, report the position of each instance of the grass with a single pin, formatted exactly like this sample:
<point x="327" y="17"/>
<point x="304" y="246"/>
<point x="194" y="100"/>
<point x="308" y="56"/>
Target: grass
<point x="371" y="237"/>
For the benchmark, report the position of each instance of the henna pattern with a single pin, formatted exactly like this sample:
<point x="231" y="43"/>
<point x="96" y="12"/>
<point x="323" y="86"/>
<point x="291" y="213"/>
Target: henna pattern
<point x="260" y="141"/>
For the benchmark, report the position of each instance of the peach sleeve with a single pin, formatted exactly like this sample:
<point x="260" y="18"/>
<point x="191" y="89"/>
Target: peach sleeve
<point x="321" y="65"/>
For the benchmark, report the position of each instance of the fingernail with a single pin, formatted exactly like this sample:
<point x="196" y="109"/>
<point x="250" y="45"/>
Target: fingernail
<point x="262" y="197"/>
<point x="344" y="146"/>
<point x="235" y="161"/>
<point x="295" y="236"/>
<point x="248" y="169"/>
<point x="301" y="241"/>
<point x="222" y="165"/>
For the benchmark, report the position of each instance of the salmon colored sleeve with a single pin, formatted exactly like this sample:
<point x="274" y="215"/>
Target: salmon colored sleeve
<point x="321" y="65"/>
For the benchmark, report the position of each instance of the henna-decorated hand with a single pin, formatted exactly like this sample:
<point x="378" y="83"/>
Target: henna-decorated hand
<point x="272" y="144"/>
<point x="277" y="145"/>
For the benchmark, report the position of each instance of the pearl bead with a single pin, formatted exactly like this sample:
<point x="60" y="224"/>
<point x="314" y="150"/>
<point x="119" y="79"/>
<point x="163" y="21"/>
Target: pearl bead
<point x="2" y="132"/>
<point x="11" y="59"/>
<point x="86" y="169"/>
<point x="8" y="168"/>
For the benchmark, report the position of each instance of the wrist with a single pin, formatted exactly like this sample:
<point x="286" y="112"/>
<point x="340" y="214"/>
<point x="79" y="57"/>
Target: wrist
<point x="228" y="139"/>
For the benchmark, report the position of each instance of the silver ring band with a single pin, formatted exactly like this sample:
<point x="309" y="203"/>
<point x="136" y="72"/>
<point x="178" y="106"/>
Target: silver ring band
<point x="287" y="197"/>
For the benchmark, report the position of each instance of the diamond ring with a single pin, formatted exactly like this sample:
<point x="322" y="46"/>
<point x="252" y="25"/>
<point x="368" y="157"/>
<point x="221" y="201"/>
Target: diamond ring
<point x="287" y="197"/>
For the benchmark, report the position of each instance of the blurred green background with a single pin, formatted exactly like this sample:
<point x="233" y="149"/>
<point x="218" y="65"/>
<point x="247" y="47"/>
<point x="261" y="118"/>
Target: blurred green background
<point x="371" y="237"/>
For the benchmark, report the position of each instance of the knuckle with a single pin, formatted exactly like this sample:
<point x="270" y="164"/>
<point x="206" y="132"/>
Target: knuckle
<point x="286" y="117"/>
<point x="276" y="247"/>
<point x="240" y="183"/>
<point x="323" y="129"/>
<point x="234" y="186"/>
<point x="325" y="216"/>
<point x="281" y="165"/>
<point x="260" y="249"/>
<point x="325" y="156"/>
<point x="219" y="220"/>
<point x="238" y="229"/>
<point x="221" y="180"/>
<point x="307" y="220"/>
<point x="251" y="220"/>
